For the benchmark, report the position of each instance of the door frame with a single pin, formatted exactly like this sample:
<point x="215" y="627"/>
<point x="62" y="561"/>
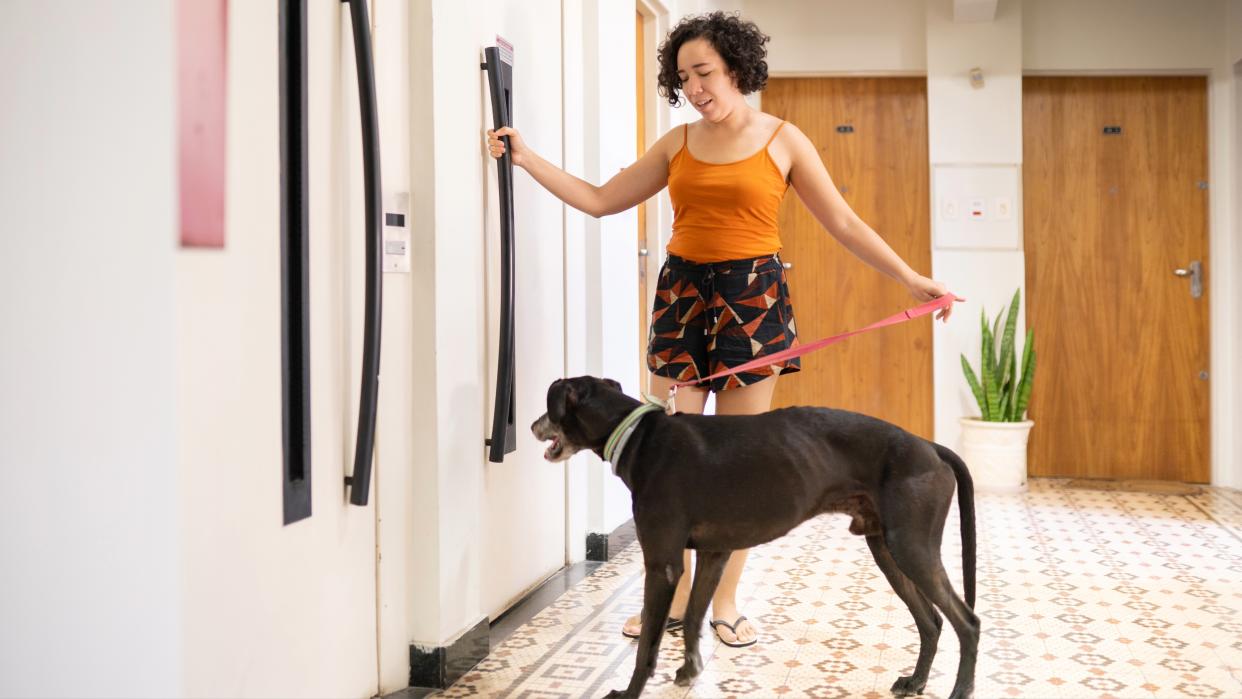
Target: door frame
<point x="657" y="115"/>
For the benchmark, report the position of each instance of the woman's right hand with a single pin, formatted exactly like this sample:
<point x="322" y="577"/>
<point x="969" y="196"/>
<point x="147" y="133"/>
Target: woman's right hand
<point x="496" y="147"/>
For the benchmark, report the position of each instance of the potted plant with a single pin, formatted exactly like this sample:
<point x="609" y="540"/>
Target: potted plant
<point x="994" y="444"/>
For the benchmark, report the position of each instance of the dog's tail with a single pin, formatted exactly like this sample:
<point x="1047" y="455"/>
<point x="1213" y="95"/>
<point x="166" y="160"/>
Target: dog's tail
<point x="966" y="510"/>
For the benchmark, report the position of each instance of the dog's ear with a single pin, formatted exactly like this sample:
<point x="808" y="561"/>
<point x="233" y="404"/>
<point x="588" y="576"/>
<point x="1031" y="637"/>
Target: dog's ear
<point x="562" y="397"/>
<point x="614" y="384"/>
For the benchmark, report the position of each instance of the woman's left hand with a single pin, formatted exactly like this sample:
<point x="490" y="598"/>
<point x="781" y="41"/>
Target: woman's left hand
<point x="925" y="289"/>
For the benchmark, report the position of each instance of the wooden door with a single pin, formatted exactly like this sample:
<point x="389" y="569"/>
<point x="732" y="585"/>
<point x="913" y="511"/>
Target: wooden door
<point x="1108" y="218"/>
<point x="872" y="136"/>
<point x="644" y="307"/>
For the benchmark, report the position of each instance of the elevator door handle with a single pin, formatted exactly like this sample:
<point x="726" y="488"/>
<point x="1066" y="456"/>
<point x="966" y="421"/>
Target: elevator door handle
<point x="499" y="67"/>
<point x="360" y="482"/>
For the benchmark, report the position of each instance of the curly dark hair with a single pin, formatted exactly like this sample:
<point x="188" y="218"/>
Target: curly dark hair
<point x="739" y="42"/>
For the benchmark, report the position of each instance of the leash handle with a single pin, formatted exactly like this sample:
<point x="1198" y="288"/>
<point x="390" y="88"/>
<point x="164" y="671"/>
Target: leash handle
<point x="921" y="310"/>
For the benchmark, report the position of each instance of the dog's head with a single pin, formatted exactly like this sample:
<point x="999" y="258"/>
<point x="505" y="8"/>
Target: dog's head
<point x="581" y="414"/>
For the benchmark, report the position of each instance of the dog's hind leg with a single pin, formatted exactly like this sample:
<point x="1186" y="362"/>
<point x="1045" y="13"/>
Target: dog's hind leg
<point x="707" y="574"/>
<point x="920" y="561"/>
<point x="925" y="618"/>
<point x="663" y="572"/>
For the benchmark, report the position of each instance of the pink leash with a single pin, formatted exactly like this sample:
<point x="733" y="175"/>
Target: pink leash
<point x="766" y="360"/>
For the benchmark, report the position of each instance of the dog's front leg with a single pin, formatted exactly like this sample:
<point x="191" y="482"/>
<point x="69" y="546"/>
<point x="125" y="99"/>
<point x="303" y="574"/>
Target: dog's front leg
<point x="708" y="569"/>
<point x="663" y="572"/>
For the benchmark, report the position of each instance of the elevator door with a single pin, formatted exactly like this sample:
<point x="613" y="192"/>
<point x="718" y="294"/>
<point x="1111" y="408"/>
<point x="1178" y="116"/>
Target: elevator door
<point x="524" y="517"/>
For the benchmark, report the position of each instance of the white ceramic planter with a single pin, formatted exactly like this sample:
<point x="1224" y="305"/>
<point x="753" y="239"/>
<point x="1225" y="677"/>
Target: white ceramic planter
<point x="995" y="453"/>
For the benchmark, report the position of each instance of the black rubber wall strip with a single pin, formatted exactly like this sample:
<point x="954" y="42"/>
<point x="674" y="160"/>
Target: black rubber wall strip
<point x="360" y="482"/>
<point x="294" y="264"/>
<point x="504" y="432"/>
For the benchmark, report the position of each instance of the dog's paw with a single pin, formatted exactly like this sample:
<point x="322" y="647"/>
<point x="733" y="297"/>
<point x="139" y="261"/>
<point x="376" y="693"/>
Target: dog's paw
<point x="616" y="694"/>
<point x="908" y="687"/>
<point x="687" y="672"/>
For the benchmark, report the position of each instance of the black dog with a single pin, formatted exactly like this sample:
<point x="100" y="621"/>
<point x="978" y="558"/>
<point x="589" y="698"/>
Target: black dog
<point x="688" y="473"/>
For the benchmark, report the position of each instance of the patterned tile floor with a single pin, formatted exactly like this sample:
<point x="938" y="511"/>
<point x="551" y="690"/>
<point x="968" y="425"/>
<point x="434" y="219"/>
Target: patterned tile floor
<point x="1082" y="593"/>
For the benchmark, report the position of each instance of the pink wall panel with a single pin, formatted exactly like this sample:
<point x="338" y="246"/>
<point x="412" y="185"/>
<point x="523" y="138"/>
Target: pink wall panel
<point x="202" y="41"/>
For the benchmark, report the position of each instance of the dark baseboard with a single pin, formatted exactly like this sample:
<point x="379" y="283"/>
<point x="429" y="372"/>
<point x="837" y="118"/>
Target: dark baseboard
<point x="597" y="547"/>
<point x="601" y="547"/>
<point x="442" y="666"/>
<point x="539" y="599"/>
<point x="439" y="668"/>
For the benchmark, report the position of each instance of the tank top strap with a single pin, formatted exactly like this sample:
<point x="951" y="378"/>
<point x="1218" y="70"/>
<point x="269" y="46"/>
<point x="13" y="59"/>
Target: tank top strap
<point x="773" y="138"/>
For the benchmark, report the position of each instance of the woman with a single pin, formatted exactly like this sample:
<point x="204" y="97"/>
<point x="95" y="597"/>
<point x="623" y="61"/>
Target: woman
<point x="726" y="174"/>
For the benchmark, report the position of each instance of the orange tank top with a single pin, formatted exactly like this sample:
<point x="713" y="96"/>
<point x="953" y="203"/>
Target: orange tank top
<point x="725" y="211"/>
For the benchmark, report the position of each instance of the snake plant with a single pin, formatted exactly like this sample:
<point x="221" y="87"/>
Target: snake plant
<point x="1002" y="394"/>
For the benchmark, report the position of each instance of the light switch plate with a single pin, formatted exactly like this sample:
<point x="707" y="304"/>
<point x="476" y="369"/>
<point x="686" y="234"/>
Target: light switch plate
<point x="978" y="207"/>
<point x="397" y="233"/>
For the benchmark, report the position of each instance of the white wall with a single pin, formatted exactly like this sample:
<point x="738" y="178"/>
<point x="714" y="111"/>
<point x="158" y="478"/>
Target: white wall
<point x="1233" y="26"/>
<point x="822" y="37"/>
<point x="1121" y="35"/>
<point x="968" y="126"/>
<point x="402" y="383"/>
<point x="578" y="471"/>
<point x="1234" y="424"/>
<point x="89" y="538"/>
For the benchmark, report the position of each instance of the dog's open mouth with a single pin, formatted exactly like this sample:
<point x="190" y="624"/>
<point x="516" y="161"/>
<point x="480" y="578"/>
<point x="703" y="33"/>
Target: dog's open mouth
<point x="545" y="431"/>
<point x="554" y="450"/>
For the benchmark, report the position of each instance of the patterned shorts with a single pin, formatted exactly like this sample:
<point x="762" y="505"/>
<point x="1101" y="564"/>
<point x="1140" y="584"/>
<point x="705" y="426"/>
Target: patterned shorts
<point x="715" y="316"/>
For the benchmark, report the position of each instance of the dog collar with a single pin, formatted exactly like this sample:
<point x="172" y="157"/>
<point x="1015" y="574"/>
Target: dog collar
<point x="621" y="435"/>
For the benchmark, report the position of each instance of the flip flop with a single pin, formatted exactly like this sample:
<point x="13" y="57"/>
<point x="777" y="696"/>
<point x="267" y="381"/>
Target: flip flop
<point x="672" y="624"/>
<point x="716" y="623"/>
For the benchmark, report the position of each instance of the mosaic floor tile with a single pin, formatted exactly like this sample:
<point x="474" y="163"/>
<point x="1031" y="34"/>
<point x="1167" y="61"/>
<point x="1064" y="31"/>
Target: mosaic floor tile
<point x="1081" y="593"/>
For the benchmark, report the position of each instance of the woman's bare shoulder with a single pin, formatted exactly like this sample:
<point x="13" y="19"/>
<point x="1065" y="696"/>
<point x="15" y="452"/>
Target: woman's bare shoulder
<point x="672" y="141"/>
<point x="791" y="139"/>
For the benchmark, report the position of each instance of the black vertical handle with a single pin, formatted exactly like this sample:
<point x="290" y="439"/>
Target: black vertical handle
<point x="504" y="433"/>
<point x="294" y="263"/>
<point x="360" y="482"/>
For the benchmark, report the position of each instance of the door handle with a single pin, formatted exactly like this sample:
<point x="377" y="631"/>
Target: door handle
<point x="787" y="265"/>
<point x="360" y="482"/>
<point x="295" y="262"/>
<point x="1195" y="271"/>
<point x="499" y="66"/>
